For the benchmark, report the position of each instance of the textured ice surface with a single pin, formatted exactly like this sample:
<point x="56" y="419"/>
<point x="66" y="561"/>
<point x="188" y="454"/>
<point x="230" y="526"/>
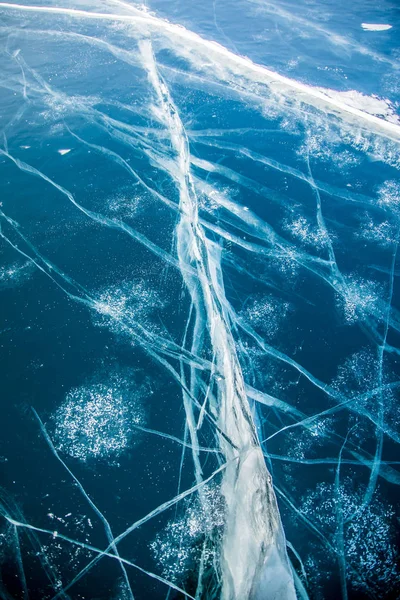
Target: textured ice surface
<point x="199" y="228"/>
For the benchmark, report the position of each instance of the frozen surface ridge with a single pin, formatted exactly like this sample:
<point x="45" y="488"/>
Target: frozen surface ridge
<point x="254" y="562"/>
<point x="335" y="103"/>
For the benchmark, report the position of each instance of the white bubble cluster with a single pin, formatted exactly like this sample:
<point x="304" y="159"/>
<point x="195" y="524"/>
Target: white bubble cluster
<point x="358" y="372"/>
<point x="183" y="541"/>
<point x="384" y="233"/>
<point x="369" y="546"/>
<point x="121" y="591"/>
<point x="302" y="230"/>
<point x="97" y="420"/>
<point x="122" y="307"/>
<point x="124" y="205"/>
<point x="287" y="264"/>
<point x="362" y="296"/>
<point x="389" y="195"/>
<point x="15" y="274"/>
<point x="359" y="377"/>
<point x="303" y="444"/>
<point x="266" y="313"/>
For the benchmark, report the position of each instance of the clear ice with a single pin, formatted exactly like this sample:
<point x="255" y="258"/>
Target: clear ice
<point x="202" y="256"/>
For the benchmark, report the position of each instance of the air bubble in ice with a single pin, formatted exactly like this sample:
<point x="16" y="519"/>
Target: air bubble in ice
<point x="389" y="195"/>
<point x="361" y="296"/>
<point x="300" y="228"/>
<point x="15" y="274"/>
<point x="266" y="313"/>
<point x="384" y="233"/>
<point x="182" y="542"/>
<point x="369" y="545"/>
<point x="97" y="420"/>
<point x="122" y="306"/>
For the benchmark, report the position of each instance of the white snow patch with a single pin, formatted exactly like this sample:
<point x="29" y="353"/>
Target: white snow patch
<point x="372" y="105"/>
<point x="376" y="26"/>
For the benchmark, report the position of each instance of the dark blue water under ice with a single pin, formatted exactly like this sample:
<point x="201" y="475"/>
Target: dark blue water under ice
<point x="199" y="289"/>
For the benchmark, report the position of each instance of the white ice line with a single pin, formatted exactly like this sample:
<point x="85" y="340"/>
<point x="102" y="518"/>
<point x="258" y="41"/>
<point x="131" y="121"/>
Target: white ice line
<point x="181" y="31"/>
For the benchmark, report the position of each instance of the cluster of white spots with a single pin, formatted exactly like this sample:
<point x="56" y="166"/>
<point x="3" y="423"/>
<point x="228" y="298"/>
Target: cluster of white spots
<point x="384" y="233"/>
<point x="121" y="591"/>
<point x="15" y="274"/>
<point x="60" y="105"/>
<point x="293" y="63"/>
<point x="321" y="142"/>
<point x="302" y="230"/>
<point x="290" y="125"/>
<point x="360" y="297"/>
<point x="359" y="372"/>
<point x="55" y="556"/>
<point x="56" y="518"/>
<point x="123" y="306"/>
<point x="301" y="444"/>
<point x="6" y="537"/>
<point x="369" y="547"/>
<point x="336" y="70"/>
<point x="389" y="195"/>
<point x="182" y="543"/>
<point x="379" y="148"/>
<point x="266" y="313"/>
<point x="97" y="420"/>
<point x="62" y="559"/>
<point x="345" y="159"/>
<point x="324" y="144"/>
<point x="359" y="377"/>
<point x="124" y="205"/>
<point x="286" y="263"/>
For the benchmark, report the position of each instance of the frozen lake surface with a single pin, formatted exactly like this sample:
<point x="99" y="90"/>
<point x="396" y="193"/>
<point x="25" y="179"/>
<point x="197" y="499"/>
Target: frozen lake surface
<point x="200" y="300"/>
